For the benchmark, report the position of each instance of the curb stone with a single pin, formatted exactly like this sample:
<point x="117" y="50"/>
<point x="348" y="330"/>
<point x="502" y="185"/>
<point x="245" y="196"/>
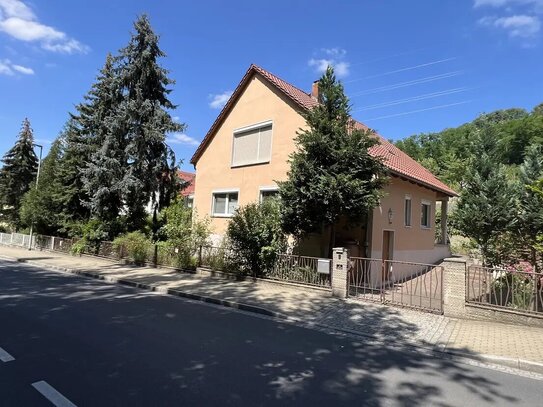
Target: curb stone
<point x="505" y="364"/>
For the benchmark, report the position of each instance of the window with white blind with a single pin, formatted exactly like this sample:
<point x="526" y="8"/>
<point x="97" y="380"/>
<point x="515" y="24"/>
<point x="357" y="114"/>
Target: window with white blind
<point x="252" y="145"/>
<point x="224" y="203"/>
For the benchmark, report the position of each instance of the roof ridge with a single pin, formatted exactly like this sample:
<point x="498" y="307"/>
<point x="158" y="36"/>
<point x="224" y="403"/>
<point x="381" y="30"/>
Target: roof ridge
<point x="258" y="67"/>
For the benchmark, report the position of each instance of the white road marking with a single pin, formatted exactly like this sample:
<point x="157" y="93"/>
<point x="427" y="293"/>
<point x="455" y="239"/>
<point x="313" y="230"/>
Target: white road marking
<point x="52" y="395"/>
<point x="5" y="357"/>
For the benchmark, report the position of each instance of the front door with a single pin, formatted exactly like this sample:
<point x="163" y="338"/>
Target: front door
<point x="388" y="252"/>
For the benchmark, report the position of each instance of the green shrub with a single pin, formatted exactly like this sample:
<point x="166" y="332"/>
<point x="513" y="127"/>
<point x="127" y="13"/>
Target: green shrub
<point x="79" y="247"/>
<point x="184" y="233"/>
<point x="255" y="236"/>
<point x="135" y="244"/>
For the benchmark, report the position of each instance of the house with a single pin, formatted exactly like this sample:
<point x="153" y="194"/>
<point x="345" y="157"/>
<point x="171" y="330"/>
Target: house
<point x="245" y="153"/>
<point x="188" y="178"/>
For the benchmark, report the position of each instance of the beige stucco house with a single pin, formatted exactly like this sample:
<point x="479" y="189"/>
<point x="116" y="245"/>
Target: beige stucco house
<point x="246" y="152"/>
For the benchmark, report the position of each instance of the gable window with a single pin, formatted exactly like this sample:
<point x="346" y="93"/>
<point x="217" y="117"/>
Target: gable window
<point x="224" y="203"/>
<point x="252" y="145"/>
<point x="425" y="214"/>
<point x="268" y="193"/>
<point x="407" y="210"/>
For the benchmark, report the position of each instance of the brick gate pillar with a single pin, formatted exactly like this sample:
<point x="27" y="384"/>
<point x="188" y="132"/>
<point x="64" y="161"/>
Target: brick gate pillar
<point x="454" y="287"/>
<point x="340" y="279"/>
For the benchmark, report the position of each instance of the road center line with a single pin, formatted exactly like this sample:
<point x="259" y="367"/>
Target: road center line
<point x="52" y="395"/>
<point x="5" y="357"/>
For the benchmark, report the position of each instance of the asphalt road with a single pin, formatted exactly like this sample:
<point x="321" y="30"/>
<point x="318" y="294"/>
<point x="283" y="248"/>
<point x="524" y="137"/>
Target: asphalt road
<point x="97" y="344"/>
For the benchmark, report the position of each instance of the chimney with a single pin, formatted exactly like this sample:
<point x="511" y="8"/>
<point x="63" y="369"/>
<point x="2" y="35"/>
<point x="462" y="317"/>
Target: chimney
<point x="315" y="90"/>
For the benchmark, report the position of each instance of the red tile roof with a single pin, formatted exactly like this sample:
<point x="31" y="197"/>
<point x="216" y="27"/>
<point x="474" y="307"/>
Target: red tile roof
<point x="189" y="177"/>
<point x="398" y="162"/>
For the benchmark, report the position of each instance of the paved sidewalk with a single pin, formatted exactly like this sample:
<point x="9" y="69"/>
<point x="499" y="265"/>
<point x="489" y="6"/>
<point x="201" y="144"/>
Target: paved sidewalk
<point x="510" y="345"/>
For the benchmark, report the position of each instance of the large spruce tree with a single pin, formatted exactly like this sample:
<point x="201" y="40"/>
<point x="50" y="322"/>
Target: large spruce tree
<point x="530" y="215"/>
<point x="17" y="175"/>
<point x="332" y="173"/>
<point x="486" y="208"/>
<point x="150" y="178"/>
<point x="42" y="207"/>
<point x="104" y="130"/>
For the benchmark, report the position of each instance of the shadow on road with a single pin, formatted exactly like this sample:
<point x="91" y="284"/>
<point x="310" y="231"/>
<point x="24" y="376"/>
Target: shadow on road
<point x="208" y="354"/>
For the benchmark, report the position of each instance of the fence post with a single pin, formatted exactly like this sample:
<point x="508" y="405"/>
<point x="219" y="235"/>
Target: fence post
<point x="52" y="243"/>
<point x="11" y="240"/>
<point x="454" y="287"/>
<point x="340" y="272"/>
<point x="200" y="256"/>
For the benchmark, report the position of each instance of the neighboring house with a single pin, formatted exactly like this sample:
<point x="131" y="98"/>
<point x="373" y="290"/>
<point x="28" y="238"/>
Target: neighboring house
<point x="188" y="192"/>
<point x="246" y="151"/>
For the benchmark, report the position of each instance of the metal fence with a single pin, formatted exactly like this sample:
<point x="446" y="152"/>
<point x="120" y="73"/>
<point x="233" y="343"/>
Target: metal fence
<point x="299" y="269"/>
<point x="501" y="288"/>
<point x="286" y="267"/>
<point x="414" y="285"/>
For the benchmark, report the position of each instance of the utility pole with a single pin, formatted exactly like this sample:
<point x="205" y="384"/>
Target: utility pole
<point x="37" y="180"/>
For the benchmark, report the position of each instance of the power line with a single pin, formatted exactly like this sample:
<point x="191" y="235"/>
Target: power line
<point x="418" y="111"/>
<point x="409" y="68"/>
<point x="406" y="84"/>
<point x="413" y="99"/>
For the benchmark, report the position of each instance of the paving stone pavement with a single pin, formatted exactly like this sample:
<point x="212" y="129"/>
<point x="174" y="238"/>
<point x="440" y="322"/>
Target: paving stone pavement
<point x="312" y="306"/>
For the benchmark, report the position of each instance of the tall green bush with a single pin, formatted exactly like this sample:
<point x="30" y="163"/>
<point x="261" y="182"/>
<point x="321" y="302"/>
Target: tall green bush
<point x="136" y="244"/>
<point x="255" y="237"/>
<point x="184" y="233"/>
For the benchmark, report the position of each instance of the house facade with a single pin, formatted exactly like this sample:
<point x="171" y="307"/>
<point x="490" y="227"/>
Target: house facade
<point x="246" y="152"/>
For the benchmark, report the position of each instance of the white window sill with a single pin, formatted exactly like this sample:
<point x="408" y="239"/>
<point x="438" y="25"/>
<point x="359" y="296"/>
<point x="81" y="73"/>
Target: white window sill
<point x="221" y="215"/>
<point x="249" y="164"/>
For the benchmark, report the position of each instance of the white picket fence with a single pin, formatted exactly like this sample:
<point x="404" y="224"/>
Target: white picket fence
<point x="18" y="239"/>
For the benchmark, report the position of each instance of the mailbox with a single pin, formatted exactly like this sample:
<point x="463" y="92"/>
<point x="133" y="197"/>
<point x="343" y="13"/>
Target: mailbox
<point x="323" y="266"/>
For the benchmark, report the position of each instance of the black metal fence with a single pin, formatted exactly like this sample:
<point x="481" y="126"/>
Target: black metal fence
<point x="505" y="288"/>
<point x="413" y="285"/>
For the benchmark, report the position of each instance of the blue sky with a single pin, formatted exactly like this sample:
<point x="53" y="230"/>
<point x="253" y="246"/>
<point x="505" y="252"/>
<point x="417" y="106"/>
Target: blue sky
<point x="408" y="66"/>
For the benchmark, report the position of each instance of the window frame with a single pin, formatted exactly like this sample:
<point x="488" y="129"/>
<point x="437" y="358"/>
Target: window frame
<point x="226" y="192"/>
<point x="246" y="129"/>
<point x="429" y="205"/>
<point x="266" y="189"/>
<point x="410" y="223"/>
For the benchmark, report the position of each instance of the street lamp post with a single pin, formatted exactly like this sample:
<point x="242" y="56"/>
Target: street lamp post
<point x="37" y="180"/>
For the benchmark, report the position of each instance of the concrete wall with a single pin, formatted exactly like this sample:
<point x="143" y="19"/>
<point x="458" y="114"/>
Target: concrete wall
<point x="258" y="103"/>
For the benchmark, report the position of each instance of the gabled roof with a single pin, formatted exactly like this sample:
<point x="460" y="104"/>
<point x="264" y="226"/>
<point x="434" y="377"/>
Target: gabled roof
<point x="189" y="177"/>
<point x="398" y="162"/>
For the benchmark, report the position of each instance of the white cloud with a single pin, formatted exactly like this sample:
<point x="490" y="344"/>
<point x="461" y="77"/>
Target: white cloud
<point x="23" y="69"/>
<point x="18" y="21"/>
<point x="340" y="68"/>
<point x="522" y="26"/>
<point x="15" y="8"/>
<point x="220" y="99"/>
<point x="8" y="68"/>
<point x="334" y="52"/>
<point x="182" y="138"/>
<point x="334" y="57"/>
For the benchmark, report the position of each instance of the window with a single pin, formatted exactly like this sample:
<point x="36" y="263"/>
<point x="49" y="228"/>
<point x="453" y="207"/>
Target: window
<point x="225" y="203"/>
<point x="252" y="145"/>
<point x="407" y="211"/>
<point x="190" y="201"/>
<point x="425" y="214"/>
<point x="266" y="194"/>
